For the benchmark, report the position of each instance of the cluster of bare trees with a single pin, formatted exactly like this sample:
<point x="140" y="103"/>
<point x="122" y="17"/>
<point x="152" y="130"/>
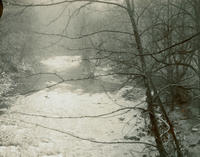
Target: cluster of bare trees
<point x="157" y="42"/>
<point x="154" y="41"/>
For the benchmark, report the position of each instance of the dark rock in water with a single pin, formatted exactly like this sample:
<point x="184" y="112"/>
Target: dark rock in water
<point x="13" y="69"/>
<point x="141" y="134"/>
<point x="28" y="71"/>
<point x="121" y="119"/>
<point x="10" y="68"/>
<point x="132" y="138"/>
<point x="192" y="145"/>
<point x="4" y="106"/>
<point x="46" y="97"/>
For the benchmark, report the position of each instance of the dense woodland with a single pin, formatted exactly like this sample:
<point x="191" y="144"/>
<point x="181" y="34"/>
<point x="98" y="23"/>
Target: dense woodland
<point x="155" y="43"/>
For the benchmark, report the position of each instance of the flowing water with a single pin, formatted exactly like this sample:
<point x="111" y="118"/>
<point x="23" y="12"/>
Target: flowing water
<point x="52" y="121"/>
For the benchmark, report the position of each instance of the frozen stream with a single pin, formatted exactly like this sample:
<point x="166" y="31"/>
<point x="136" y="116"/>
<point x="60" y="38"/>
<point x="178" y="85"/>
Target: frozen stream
<point x="53" y="122"/>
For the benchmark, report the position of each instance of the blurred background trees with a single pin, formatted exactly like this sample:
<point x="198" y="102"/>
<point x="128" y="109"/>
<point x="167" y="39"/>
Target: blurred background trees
<point x="153" y="42"/>
<point x="156" y="43"/>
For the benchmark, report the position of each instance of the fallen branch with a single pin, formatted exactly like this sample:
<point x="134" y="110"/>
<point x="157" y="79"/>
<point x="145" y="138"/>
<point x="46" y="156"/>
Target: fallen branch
<point x="127" y="109"/>
<point x="73" y="79"/>
<point x="86" y="139"/>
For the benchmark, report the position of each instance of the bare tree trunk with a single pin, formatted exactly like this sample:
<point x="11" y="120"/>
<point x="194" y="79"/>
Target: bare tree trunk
<point x="154" y="123"/>
<point x="171" y="130"/>
<point x="146" y="79"/>
<point x="196" y="5"/>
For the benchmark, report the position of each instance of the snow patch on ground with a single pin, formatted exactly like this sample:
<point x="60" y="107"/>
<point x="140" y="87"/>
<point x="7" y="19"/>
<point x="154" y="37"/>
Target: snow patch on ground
<point x="62" y="101"/>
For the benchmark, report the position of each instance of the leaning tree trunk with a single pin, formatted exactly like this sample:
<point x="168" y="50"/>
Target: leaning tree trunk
<point x="196" y="5"/>
<point x="146" y="79"/>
